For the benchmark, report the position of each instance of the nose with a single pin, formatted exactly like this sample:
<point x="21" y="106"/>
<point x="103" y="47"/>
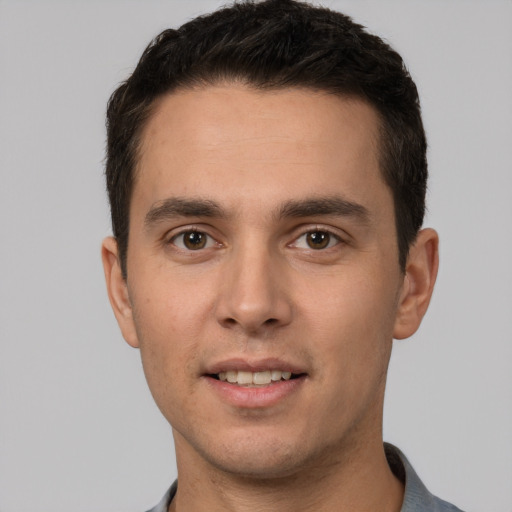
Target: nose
<point x="254" y="294"/>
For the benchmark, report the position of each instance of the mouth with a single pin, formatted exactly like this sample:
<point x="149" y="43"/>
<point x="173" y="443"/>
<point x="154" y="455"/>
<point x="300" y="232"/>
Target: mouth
<point x="249" y="384"/>
<point x="254" y="379"/>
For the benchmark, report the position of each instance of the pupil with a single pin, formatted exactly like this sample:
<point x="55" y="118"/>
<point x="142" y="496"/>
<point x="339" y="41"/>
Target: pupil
<point x="194" y="240"/>
<point x="318" y="239"/>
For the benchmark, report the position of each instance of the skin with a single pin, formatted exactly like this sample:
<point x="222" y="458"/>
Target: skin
<point x="260" y="289"/>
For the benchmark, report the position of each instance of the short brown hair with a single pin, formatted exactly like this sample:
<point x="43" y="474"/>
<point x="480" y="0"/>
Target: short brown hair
<point x="275" y="44"/>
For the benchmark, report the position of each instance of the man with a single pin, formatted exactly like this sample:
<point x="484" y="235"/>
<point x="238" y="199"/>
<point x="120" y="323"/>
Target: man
<point x="266" y="172"/>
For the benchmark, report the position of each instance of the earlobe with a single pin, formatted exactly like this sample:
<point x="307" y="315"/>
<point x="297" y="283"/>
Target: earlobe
<point x="419" y="280"/>
<point x="118" y="291"/>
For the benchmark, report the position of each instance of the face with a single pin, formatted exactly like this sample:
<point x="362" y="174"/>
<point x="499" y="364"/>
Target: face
<point x="263" y="285"/>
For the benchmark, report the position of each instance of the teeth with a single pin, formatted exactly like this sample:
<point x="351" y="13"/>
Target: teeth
<point x="261" y="378"/>
<point x="243" y="378"/>
<point x="276" y="375"/>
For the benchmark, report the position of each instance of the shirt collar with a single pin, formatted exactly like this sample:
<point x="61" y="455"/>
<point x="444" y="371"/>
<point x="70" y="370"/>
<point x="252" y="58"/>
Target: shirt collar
<point x="417" y="498"/>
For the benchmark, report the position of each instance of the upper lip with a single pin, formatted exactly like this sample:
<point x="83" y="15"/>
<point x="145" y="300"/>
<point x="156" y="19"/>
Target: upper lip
<point x="252" y="365"/>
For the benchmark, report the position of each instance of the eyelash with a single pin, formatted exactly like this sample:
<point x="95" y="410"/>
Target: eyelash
<point x="192" y="232"/>
<point x="333" y="240"/>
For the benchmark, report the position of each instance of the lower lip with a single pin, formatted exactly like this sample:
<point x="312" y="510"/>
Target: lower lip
<point x="255" y="397"/>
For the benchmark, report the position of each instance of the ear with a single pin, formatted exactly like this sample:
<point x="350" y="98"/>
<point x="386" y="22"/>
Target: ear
<point x="118" y="291"/>
<point x="419" y="280"/>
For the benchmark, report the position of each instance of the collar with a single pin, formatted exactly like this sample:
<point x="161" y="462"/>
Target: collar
<point x="417" y="498"/>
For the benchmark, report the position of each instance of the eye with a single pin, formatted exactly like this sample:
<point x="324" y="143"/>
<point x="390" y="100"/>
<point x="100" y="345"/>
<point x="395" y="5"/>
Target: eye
<point x="316" y="240"/>
<point x="192" y="240"/>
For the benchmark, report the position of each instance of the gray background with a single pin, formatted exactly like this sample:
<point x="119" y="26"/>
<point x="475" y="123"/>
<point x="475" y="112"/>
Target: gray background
<point x="78" y="428"/>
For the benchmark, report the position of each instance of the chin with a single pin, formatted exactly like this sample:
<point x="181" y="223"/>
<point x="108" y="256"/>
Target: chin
<point x="261" y="459"/>
<point x="264" y="466"/>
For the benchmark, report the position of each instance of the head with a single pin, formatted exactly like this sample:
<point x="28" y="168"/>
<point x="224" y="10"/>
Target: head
<point x="266" y="169"/>
<point x="272" y="45"/>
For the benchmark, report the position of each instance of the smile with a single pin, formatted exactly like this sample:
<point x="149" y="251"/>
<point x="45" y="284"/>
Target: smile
<point x="253" y="379"/>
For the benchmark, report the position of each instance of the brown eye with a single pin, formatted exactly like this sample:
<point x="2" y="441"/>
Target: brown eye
<point x="192" y="240"/>
<point x="318" y="239"/>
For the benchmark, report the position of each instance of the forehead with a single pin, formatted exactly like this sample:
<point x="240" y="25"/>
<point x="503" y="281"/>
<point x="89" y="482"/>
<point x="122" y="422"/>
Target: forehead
<point x="231" y="139"/>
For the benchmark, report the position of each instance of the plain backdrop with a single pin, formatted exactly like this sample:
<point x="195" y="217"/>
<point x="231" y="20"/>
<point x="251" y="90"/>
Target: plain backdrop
<point x="78" y="427"/>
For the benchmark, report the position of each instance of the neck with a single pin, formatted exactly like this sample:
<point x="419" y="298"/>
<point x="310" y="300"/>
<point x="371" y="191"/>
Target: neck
<point x="358" y="479"/>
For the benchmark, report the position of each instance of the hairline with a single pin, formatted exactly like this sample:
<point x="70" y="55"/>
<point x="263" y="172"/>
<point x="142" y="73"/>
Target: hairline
<point x="139" y="135"/>
<point x="383" y="152"/>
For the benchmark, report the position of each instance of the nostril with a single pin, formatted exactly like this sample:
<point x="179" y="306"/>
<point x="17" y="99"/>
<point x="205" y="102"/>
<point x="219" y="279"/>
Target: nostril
<point x="251" y="328"/>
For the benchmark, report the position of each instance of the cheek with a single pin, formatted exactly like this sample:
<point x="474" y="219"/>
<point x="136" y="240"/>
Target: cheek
<point x="168" y="328"/>
<point x="353" y="324"/>
<point x="167" y="307"/>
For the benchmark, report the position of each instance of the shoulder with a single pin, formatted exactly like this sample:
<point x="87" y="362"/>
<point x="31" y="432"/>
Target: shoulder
<point x="164" y="503"/>
<point x="417" y="497"/>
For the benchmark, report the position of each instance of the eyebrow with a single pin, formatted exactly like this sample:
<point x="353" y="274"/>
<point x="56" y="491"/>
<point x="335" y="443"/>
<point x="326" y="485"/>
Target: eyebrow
<point x="332" y="205"/>
<point x="173" y="207"/>
<point x="178" y="207"/>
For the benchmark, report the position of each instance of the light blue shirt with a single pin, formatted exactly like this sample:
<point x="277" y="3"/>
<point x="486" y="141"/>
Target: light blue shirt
<point x="417" y="498"/>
